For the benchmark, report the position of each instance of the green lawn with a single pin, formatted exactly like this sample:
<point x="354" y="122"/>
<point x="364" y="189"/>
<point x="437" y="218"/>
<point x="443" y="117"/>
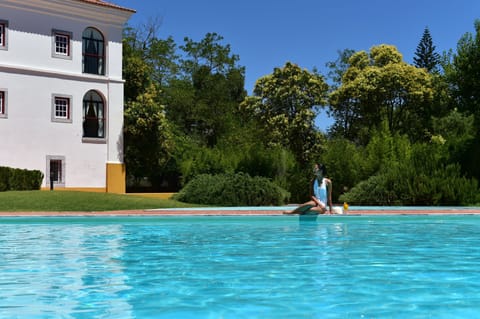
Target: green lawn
<point x="56" y="201"/>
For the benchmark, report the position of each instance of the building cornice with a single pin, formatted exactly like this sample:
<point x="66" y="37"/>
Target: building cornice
<point x="107" y="4"/>
<point x="81" y="10"/>
<point x="83" y="77"/>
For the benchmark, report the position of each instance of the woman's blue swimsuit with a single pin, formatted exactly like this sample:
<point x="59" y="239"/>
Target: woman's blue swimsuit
<point x="320" y="190"/>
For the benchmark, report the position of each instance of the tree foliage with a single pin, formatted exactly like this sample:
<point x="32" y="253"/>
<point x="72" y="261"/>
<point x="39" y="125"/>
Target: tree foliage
<point x="284" y="105"/>
<point x="202" y="101"/>
<point x="344" y="113"/>
<point x="395" y="171"/>
<point x="338" y="67"/>
<point x="463" y="75"/>
<point x="379" y="86"/>
<point x="403" y="134"/>
<point x="148" y="139"/>
<point x="425" y="56"/>
<point x="420" y="180"/>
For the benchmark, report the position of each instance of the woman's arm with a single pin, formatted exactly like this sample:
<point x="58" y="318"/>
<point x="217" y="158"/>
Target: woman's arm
<point x="329" y="193"/>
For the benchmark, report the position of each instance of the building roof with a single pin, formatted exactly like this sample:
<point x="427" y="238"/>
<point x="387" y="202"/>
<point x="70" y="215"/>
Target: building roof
<point x="107" y="4"/>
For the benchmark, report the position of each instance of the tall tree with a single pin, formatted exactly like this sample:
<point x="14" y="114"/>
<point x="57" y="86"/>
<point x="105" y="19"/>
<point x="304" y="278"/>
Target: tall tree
<point x="338" y="67"/>
<point x="464" y="75"/>
<point x="425" y="55"/>
<point x="203" y="100"/>
<point x="147" y="135"/>
<point x="157" y="55"/>
<point x="464" y="78"/>
<point x="284" y="105"/>
<point x="148" y="139"/>
<point x="379" y="86"/>
<point x="344" y="112"/>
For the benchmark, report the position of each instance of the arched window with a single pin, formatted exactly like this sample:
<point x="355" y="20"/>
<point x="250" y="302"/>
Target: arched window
<point x="93" y="49"/>
<point x="93" y="115"/>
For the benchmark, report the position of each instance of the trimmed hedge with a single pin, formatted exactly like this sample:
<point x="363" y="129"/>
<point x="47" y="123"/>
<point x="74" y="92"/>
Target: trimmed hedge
<point x="232" y="190"/>
<point x="16" y="179"/>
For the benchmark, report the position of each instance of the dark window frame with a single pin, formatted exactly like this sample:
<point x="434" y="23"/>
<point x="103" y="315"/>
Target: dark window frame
<point x="59" y="48"/>
<point x="3" y="103"/>
<point x="56" y="170"/>
<point x="3" y="34"/>
<point x="93" y="51"/>
<point x="94" y="117"/>
<point x="59" y="103"/>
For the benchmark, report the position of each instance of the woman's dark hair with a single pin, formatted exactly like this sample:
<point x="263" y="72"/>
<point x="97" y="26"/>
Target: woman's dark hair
<point x="323" y="169"/>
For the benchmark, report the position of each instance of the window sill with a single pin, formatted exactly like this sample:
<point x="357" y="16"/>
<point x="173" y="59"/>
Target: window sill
<point x="94" y="140"/>
<point x="61" y="56"/>
<point x="55" y="120"/>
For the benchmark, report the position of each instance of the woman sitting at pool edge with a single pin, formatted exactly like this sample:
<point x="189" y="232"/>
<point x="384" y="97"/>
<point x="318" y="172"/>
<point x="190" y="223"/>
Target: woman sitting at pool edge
<point x="320" y="193"/>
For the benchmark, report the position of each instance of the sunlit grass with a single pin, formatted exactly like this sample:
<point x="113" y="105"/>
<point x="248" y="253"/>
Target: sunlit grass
<point x="56" y="201"/>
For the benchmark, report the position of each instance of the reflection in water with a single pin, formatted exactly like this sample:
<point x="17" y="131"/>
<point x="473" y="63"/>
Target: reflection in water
<point x="47" y="270"/>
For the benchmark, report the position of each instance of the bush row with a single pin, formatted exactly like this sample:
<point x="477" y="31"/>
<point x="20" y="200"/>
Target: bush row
<point x="404" y="185"/>
<point x="19" y="179"/>
<point x="238" y="189"/>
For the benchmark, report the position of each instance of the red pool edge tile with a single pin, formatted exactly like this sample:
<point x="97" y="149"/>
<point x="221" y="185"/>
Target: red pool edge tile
<point x="241" y="212"/>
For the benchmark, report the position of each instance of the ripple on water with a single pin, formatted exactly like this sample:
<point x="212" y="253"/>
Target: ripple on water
<point x="245" y="267"/>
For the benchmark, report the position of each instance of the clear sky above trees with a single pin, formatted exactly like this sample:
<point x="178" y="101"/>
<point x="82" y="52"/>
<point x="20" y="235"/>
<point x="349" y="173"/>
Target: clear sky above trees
<point x="268" y="33"/>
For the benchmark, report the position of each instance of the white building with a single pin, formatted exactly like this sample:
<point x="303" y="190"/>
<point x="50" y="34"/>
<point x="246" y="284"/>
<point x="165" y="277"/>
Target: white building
<point x="61" y="91"/>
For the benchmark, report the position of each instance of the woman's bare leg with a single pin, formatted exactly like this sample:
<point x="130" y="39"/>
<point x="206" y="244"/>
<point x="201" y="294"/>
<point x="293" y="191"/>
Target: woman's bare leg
<point x="310" y="205"/>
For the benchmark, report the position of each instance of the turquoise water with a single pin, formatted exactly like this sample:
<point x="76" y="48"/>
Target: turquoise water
<point x="240" y="267"/>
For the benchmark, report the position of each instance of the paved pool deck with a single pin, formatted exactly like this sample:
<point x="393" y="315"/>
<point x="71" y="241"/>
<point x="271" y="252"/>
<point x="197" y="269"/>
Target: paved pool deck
<point x="261" y="211"/>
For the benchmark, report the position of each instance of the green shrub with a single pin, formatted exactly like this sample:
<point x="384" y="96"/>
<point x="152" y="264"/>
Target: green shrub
<point x="19" y="179"/>
<point x="232" y="190"/>
<point x="299" y="187"/>
<point x="4" y="178"/>
<point x="35" y="180"/>
<point x="408" y="185"/>
<point x="372" y="191"/>
<point x="198" y="160"/>
<point x="424" y="176"/>
<point x="344" y="161"/>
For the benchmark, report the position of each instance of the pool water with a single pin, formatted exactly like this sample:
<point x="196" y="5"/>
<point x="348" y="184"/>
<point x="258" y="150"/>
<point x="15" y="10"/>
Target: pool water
<point x="240" y="267"/>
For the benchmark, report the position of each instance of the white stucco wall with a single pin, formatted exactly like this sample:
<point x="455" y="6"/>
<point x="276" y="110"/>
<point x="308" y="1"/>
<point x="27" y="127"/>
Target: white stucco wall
<point x="30" y="42"/>
<point x="32" y="135"/>
<point x="31" y="76"/>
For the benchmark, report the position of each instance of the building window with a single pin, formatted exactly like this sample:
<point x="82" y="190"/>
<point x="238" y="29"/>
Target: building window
<point x="3" y="104"/>
<point x="93" y="49"/>
<point x="3" y="34"/>
<point x="61" y="44"/>
<point x="61" y="108"/>
<point x="56" y="170"/>
<point x="93" y="115"/>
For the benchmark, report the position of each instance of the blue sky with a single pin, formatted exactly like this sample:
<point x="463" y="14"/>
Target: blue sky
<point x="268" y="33"/>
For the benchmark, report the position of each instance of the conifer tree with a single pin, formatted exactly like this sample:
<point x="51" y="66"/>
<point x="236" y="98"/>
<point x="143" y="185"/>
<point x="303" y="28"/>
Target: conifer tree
<point x="425" y="55"/>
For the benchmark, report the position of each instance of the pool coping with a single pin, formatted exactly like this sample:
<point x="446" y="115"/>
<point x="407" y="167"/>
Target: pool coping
<point x="256" y="211"/>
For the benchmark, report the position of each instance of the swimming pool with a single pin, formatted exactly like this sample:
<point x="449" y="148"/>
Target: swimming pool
<point x="240" y="267"/>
